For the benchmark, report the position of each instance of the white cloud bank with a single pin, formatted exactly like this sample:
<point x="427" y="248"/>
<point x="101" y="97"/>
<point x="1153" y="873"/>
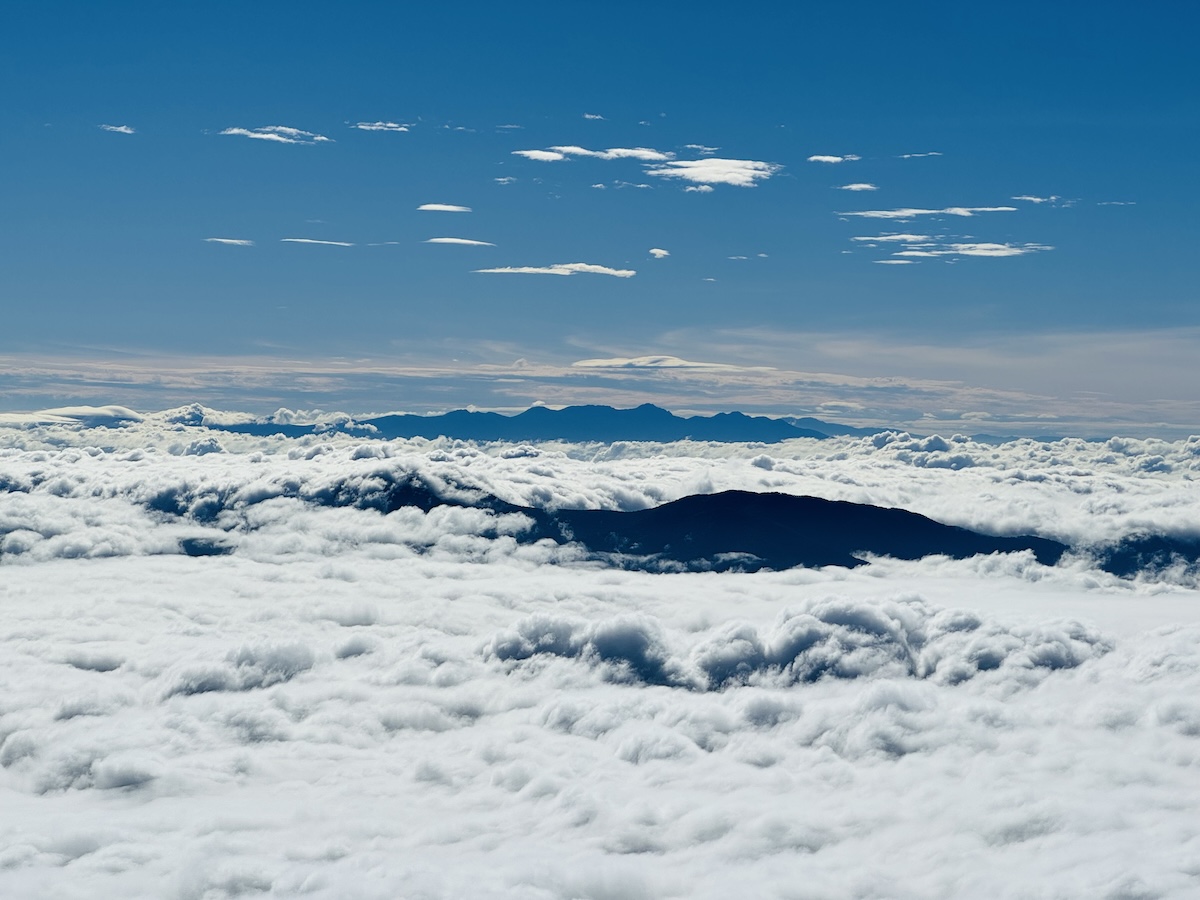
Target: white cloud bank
<point x="249" y="724"/>
<point x="280" y="134"/>
<point x="465" y="242"/>
<point x="713" y="170"/>
<point x="560" y="269"/>
<point x="118" y="129"/>
<point x="443" y="207"/>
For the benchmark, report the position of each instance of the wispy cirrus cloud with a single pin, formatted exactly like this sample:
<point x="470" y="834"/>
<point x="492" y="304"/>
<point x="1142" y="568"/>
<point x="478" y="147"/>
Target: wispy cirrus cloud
<point x="858" y="186"/>
<point x="820" y="158"/>
<point x="912" y="213"/>
<point x="315" y="241"/>
<point x="975" y="249"/>
<point x="280" y="134"/>
<point x="382" y="126"/>
<point x="919" y="155"/>
<point x="118" y="129"/>
<point x="900" y="238"/>
<point x="561" y="152"/>
<point x="701" y="148"/>
<point x="465" y="242"/>
<point x="507" y="179"/>
<point x="232" y="242"/>
<point x="442" y="207"/>
<point x="714" y="170"/>
<point x="594" y="117"/>
<point x="560" y="269"/>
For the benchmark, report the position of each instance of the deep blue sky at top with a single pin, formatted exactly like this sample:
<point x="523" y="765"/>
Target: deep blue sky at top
<point x="1092" y="108"/>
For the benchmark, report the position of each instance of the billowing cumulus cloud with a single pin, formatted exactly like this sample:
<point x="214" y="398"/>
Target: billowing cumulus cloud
<point x="849" y="157"/>
<point x="465" y="242"/>
<point x="713" y="170"/>
<point x="443" y="207"/>
<point x="280" y="134"/>
<point x="232" y="242"/>
<point x="118" y="129"/>
<point x="667" y="734"/>
<point x="659" y="253"/>
<point x="561" y="269"/>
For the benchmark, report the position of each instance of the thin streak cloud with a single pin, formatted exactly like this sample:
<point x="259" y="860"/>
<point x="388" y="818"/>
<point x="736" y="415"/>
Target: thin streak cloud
<point x="314" y="241"/>
<point x="560" y="269"/>
<point x="911" y="213"/>
<point x="858" y="186"/>
<point x="442" y="207"/>
<point x="118" y="129"/>
<point x="465" y="242"/>
<point x="381" y="126"/>
<point x="280" y="134"/>
<point x="232" y="242"/>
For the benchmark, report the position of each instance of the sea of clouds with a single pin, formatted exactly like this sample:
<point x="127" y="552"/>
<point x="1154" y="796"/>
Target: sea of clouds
<point x="348" y="703"/>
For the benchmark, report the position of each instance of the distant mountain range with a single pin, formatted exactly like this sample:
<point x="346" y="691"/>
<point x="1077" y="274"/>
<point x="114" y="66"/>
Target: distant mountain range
<point x="573" y="423"/>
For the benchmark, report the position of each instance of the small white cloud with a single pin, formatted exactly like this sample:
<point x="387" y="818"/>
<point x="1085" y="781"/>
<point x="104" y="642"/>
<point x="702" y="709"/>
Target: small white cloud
<point x="1029" y="198"/>
<point x="507" y="179"/>
<point x="540" y="155"/>
<point x="600" y="187"/>
<point x="593" y="116"/>
<point x="849" y="157"/>
<point x="708" y="279"/>
<point x="858" y="186"/>
<point x="510" y="127"/>
<point x="1117" y="203"/>
<point x="381" y="126"/>
<point x="280" y="134"/>
<point x="700" y="148"/>
<point x="465" y="242"/>
<point x="118" y="129"/>
<point x="646" y="154"/>
<point x="739" y="257"/>
<point x="761" y="255"/>
<point x="442" y="207"/>
<point x="560" y="269"/>
<point x="713" y="170"/>
<point x="314" y="241"/>
<point x="913" y="213"/>
<point x="647" y="362"/>
<point x="232" y="242"/>
<point x="659" y="253"/>
<point x="919" y="155"/>
<point x="699" y="189"/>
<point x="898" y="238"/>
<point x="894" y="262"/>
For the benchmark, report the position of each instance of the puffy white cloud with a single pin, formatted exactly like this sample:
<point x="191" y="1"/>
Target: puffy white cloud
<point x="858" y="186"/>
<point x="462" y="241"/>
<point x="381" y="126"/>
<point x="280" y="134"/>
<point x="315" y="241"/>
<point x="912" y="213"/>
<point x="561" y="269"/>
<point x="699" y="189"/>
<point x="233" y="242"/>
<point x="593" y="116"/>
<point x="701" y="148"/>
<point x="442" y="207"/>
<point x="849" y="157"/>
<point x="118" y="129"/>
<point x="894" y="238"/>
<point x="659" y="253"/>
<point x="713" y="170"/>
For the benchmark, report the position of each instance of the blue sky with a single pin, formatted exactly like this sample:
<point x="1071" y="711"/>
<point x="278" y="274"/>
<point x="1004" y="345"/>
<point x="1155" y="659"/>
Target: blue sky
<point x="1069" y="137"/>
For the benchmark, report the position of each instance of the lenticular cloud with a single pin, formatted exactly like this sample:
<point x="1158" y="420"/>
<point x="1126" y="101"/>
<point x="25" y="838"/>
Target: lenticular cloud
<point x="334" y="665"/>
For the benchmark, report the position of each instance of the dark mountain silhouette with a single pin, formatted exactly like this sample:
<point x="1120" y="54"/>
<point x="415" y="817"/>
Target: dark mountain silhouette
<point x="573" y="423"/>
